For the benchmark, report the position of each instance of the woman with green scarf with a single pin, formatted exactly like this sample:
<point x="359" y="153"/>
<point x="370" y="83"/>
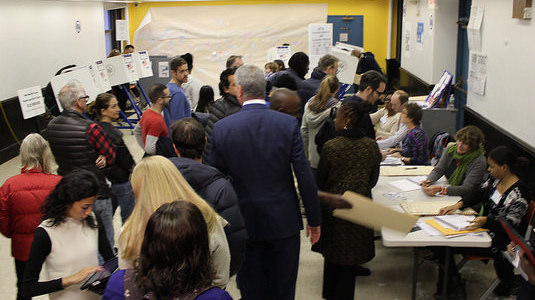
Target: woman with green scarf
<point x="463" y="164"/>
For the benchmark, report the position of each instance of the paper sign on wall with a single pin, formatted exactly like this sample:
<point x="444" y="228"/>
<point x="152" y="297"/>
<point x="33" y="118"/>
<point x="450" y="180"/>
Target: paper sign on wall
<point x="163" y="69"/>
<point x="320" y="39"/>
<point x="477" y="77"/>
<point x="121" y="30"/>
<point x="474" y="27"/>
<point x="420" y="33"/>
<point x="31" y="102"/>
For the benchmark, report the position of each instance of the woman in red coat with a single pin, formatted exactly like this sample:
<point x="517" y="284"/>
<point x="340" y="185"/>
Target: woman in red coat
<point x="21" y="197"/>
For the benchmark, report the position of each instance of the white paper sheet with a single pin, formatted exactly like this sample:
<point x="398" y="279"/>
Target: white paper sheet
<point x="456" y="222"/>
<point x="405" y="185"/>
<point x="31" y="102"/>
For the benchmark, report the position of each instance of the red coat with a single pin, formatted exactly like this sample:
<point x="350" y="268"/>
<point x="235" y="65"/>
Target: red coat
<point x="21" y="197"/>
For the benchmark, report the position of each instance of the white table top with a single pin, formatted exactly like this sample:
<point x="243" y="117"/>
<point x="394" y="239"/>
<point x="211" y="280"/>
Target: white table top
<point x="392" y="238"/>
<point x="383" y="187"/>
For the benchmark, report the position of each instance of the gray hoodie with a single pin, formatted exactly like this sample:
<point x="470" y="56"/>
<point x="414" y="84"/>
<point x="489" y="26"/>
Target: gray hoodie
<point x="310" y="126"/>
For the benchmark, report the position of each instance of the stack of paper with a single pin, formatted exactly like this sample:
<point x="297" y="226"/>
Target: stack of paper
<point x="431" y="208"/>
<point x="448" y="231"/>
<point x="406" y="185"/>
<point x="391" y="161"/>
<point x="457" y="222"/>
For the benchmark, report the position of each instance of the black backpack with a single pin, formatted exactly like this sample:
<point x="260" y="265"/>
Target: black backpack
<point x="327" y="130"/>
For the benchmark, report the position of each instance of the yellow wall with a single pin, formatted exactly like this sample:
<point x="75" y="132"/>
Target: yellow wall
<point x="375" y="14"/>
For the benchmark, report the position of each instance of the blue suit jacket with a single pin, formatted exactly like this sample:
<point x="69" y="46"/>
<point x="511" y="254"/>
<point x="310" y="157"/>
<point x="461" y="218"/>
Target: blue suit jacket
<point x="257" y="147"/>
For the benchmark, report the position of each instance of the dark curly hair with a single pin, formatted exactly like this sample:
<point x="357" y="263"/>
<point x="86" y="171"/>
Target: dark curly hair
<point x="414" y="112"/>
<point x="175" y="256"/>
<point x="75" y="186"/>
<point x="354" y="111"/>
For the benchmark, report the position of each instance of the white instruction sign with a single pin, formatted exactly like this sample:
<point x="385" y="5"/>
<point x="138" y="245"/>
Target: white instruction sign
<point x="121" y="30"/>
<point x="31" y="102"/>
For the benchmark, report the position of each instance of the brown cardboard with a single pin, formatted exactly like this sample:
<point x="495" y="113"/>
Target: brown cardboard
<point x="367" y="213"/>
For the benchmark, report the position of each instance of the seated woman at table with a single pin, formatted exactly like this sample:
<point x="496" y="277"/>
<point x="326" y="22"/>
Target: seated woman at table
<point x="414" y="146"/>
<point x="463" y="164"/>
<point x="503" y="196"/>
<point x="349" y="162"/>
<point x="386" y="120"/>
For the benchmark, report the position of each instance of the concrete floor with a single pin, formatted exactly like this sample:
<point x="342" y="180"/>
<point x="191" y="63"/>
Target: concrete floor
<point x="391" y="268"/>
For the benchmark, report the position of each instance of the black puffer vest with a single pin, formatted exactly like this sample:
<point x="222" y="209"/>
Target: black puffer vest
<point x="67" y="135"/>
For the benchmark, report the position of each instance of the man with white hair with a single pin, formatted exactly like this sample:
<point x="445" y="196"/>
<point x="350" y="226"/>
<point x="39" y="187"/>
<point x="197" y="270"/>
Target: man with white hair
<point x="79" y="143"/>
<point x="258" y="147"/>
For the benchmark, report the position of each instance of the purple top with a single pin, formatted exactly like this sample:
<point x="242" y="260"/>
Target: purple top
<point x="115" y="290"/>
<point x="414" y="146"/>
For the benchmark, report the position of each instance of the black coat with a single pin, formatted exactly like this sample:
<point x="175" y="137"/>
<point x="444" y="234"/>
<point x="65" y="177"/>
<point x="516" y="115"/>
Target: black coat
<point x="222" y="107"/>
<point x="310" y="87"/>
<point x="214" y="187"/>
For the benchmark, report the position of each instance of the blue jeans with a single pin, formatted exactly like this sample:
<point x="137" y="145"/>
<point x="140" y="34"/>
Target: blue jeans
<point x="104" y="211"/>
<point x="122" y="194"/>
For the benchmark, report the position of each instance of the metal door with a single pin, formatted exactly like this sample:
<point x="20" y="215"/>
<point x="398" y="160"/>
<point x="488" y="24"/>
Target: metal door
<point x="347" y="29"/>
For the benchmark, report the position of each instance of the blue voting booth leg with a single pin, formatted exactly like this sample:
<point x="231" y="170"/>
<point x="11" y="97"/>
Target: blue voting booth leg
<point x="143" y="92"/>
<point x="125" y="118"/>
<point x="343" y="90"/>
<point x="134" y="106"/>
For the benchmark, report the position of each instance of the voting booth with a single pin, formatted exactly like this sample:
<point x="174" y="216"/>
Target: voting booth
<point x="83" y="76"/>
<point x="121" y="69"/>
<point x="281" y="52"/>
<point x="142" y="64"/>
<point x="100" y="76"/>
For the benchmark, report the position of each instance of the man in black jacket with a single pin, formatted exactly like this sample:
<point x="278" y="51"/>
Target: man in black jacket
<point x="327" y="65"/>
<point x="79" y="143"/>
<point x="225" y="106"/>
<point x="188" y="140"/>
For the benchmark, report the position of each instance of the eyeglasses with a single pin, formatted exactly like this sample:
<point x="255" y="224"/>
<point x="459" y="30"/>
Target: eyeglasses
<point x="85" y="98"/>
<point x="166" y="97"/>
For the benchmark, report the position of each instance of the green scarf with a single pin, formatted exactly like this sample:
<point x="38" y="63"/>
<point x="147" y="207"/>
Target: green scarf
<point x="463" y="160"/>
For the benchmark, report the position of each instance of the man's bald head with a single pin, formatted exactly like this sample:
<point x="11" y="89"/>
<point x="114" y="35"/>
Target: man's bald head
<point x="286" y="101"/>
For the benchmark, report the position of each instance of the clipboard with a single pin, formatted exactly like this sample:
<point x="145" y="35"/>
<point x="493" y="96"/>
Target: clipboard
<point x="519" y="240"/>
<point x="367" y="213"/>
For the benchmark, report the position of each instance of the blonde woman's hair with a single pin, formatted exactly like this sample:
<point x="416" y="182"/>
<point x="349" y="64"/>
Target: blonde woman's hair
<point x="328" y="87"/>
<point x="35" y="153"/>
<point x="155" y="181"/>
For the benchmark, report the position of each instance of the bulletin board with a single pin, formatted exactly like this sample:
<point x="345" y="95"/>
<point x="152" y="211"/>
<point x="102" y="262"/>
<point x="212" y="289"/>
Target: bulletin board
<point x="213" y="33"/>
<point x="507" y="43"/>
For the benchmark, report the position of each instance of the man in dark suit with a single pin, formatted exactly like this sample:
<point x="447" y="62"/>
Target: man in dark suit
<point x="258" y="147"/>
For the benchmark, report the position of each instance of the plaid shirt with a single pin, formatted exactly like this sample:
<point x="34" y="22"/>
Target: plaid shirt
<point x="101" y="142"/>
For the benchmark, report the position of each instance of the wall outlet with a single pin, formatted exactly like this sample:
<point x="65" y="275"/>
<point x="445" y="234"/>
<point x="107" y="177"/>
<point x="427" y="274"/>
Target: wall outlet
<point x="527" y="13"/>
